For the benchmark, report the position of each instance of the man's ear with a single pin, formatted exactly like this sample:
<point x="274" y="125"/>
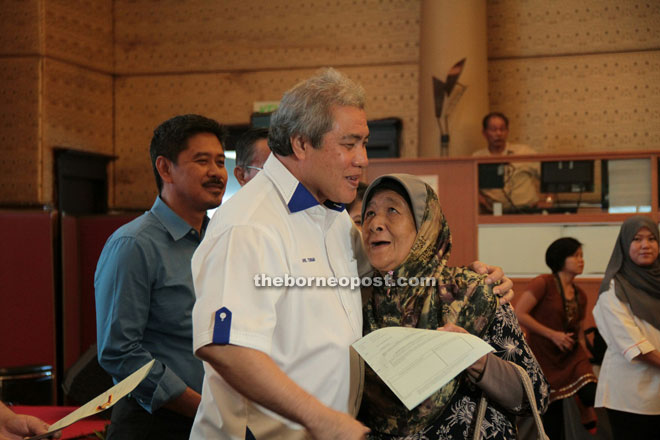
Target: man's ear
<point x="164" y="167"/>
<point x="239" y="173"/>
<point x="299" y="146"/>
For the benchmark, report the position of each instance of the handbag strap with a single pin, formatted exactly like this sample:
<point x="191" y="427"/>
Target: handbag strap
<point x="529" y="391"/>
<point x="481" y="412"/>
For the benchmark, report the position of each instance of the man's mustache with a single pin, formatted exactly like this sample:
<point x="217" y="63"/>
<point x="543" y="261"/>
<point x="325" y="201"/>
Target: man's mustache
<point x="214" y="182"/>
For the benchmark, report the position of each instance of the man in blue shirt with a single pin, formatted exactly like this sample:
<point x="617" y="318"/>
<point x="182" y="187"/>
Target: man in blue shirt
<point x="144" y="289"/>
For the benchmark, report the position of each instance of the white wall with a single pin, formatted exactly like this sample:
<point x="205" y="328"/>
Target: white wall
<point x="520" y="249"/>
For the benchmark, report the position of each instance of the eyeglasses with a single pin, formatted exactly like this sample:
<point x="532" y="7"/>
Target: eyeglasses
<point x="254" y="168"/>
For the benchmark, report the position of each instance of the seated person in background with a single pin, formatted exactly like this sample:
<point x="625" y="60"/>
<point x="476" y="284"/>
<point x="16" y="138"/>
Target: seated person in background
<point x="406" y="235"/>
<point x="16" y="426"/>
<point x="355" y="207"/>
<point x="252" y="150"/>
<point x="521" y="179"/>
<point x="627" y="314"/>
<point x="553" y="309"/>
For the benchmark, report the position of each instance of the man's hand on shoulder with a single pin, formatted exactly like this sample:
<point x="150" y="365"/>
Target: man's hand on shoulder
<point x="503" y="284"/>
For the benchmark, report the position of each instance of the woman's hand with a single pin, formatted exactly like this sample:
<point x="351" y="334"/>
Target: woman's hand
<point x="564" y="341"/>
<point x="475" y="371"/>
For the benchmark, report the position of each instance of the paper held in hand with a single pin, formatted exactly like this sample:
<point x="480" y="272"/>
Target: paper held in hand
<point x="414" y="363"/>
<point x="101" y="402"/>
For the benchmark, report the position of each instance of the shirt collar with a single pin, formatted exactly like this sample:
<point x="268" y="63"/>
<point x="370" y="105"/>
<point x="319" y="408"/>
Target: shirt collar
<point x="298" y="198"/>
<point x="175" y="225"/>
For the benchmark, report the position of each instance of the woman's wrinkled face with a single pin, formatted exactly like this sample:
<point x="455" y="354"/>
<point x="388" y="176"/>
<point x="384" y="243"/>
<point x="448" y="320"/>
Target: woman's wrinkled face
<point x="644" y="248"/>
<point x="388" y="230"/>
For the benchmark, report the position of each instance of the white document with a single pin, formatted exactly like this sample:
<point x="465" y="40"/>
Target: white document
<point x="101" y="402"/>
<point x="415" y="363"/>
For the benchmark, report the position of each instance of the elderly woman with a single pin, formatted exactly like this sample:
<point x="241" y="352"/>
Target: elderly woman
<point x="405" y="235"/>
<point x="628" y="316"/>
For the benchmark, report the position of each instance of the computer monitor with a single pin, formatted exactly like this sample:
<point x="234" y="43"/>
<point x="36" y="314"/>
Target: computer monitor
<point x="260" y="120"/>
<point x="491" y="175"/>
<point x="567" y="176"/>
<point x="384" y="135"/>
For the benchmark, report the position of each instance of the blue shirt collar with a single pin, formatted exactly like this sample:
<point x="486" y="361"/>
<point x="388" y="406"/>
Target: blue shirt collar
<point x="175" y="225"/>
<point x="297" y="196"/>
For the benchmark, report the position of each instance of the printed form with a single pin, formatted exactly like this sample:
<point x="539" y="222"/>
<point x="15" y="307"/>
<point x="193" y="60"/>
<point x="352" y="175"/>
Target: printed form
<point x="414" y="363"/>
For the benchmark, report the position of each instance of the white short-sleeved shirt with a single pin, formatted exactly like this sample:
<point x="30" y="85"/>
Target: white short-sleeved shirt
<point x="273" y="226"/>
<point x="625" y="383"/>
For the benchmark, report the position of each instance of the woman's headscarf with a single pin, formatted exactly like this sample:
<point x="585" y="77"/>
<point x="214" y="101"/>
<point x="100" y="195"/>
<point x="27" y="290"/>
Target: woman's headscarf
<point x="460" y="296"/>
<point x="637" y="286"/>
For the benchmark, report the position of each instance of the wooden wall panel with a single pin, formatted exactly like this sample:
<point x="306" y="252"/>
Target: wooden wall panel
<point x="142" y="102"/>
<point x="392" y="91"/>
<point x="77" y="113"/>
<point x="538" y="27"/>
<point x="27" y="306"/>
<point x="577" y="76"/>
<point x="83" y="238"/>
<point x="80" y="32"/>
<point x="20" y="155"/>
<point x="21" y="30"/>
<point x="48" y="103"/>
<point x="71" y="291"/>
<point x="203" y="36"/>
<point x="606" y="102"/>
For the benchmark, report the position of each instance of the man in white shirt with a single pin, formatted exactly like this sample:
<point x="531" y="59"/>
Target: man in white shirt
<point x="521" y="179"/>
<point x="277" y="359"/>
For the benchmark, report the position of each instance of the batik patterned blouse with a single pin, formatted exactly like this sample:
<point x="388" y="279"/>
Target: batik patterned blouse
<point x="457" y="421"/>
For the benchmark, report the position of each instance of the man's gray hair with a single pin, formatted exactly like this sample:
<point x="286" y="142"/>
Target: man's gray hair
<point x="306" y="109"/>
